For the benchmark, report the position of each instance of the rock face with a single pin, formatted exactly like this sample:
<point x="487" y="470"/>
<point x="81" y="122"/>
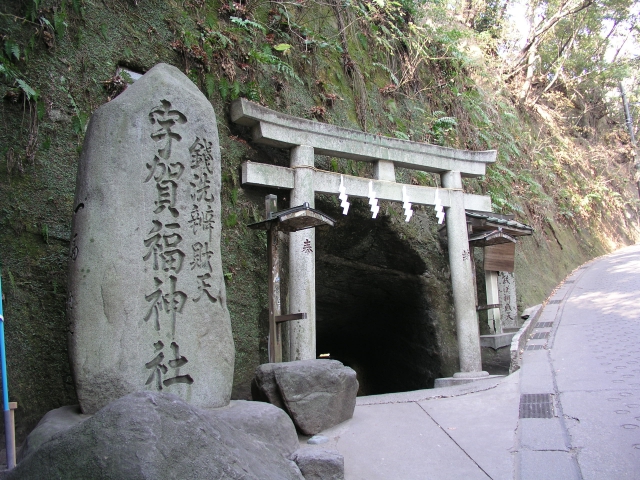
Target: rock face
<point x="319" y="464"/>
<point x="147" y="301"/>
<point x="150" y="435"/>
<point x="317" y="394"/>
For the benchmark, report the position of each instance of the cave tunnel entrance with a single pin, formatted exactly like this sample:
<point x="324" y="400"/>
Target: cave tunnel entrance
<point x="372" y="305"/>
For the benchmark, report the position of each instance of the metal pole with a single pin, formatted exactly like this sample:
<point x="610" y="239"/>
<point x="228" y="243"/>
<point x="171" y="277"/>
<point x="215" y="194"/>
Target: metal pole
<point x="8" y="414"/>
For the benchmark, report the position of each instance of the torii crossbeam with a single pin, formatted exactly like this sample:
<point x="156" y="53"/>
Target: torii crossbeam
<point x="306" y="138"/>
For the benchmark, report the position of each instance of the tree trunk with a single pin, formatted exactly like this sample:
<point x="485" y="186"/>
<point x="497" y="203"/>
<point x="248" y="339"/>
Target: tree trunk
<point x="627" y="114"/>
<point x="532" y="56"/>
<point x="629" y="122"/>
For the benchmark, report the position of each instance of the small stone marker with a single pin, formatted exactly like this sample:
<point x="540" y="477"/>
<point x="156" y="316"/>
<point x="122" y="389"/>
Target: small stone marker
<point x="507" y="296"/>
<point x="319" y="464"/>
<point x="147" y="301"/>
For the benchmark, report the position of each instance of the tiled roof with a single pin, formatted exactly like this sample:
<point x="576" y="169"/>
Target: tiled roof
<point x="500" y="221"/>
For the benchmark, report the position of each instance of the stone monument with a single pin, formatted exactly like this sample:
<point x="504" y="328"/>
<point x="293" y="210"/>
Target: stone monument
<point x="147" y="301"/>
<point x="508" y="303"/>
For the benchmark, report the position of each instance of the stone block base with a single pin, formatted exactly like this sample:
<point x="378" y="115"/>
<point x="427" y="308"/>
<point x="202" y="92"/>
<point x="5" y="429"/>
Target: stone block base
<point x="496" y="341"/>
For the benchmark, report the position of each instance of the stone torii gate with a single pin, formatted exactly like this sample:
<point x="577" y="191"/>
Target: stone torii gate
<point x="306" y="138"/>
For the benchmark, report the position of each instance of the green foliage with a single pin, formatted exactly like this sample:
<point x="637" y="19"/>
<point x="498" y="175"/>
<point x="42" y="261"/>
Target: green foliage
<point x="210" y="84"/>
<point x="60" y="20"/>
<point x="282" y="47"/>
<point x="405" y="43"/>
<point x="78" y="6"/>
<point x="248" y="25"/>
<point x="401" y="135"/>
<point x="219" y="40"/>
<point x="125" y="75"/>
<point x="264" y="57"/>
<point x="12" y="50"/>
<point x="489" y="17"/>
<point x="231" y="220"/>
<point x="80" y="118"/>
<point x="29" y="92"/>
<point x="442" y="128"/>
<point x="252" y="91"/>
<point x="33" y="9"/>
<point x="10" y="73"/>
<point x="394" y="79"/>
<point x="79" y="123"/>
<point x="284" y="24"/>
<point x="229" y="90"/>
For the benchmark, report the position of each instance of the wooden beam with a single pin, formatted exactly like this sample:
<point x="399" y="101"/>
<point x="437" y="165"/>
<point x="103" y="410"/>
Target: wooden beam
<point x="291" y="317"/>
<point x="487" y="307"/>
<point x="273" y="254"/>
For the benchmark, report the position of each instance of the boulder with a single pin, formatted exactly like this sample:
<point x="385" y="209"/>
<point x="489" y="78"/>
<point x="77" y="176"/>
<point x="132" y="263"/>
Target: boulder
<point x="317" y="394"/>
<point x="264" y="387"/>
<point x="146" y="298"/>
<point x="319" y="464"/>
<point x="151" y="435"/>
<point x="267" y="423"/>
<point x="54" y="422"/>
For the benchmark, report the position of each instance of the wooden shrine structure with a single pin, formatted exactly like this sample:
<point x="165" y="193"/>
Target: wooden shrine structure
<point x="292" y="220"/>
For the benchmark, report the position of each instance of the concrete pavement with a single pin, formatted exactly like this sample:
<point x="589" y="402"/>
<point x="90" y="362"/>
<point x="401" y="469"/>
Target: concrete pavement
<point x="572" y="411"/>
<point x="455" y="432"/>
<point x="592" y="357"/>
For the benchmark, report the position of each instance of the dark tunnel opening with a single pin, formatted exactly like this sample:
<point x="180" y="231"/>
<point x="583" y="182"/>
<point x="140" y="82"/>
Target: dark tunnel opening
<point x="372" y="305"/>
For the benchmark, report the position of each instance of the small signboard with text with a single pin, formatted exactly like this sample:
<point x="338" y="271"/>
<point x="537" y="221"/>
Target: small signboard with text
<point x="500" y="258"/>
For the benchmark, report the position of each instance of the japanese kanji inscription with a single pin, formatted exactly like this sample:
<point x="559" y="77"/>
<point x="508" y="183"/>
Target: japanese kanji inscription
<point x="147" y="301"/>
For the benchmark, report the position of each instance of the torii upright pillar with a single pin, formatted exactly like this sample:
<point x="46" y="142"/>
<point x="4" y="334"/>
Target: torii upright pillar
<point x="302" y="261"/>
<point x="460" y="259"/>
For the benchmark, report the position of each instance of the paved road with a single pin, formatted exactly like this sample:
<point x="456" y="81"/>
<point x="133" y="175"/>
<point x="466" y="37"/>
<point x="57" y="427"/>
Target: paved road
<point x="571" y="412"/>
<point x="591" y="366"/>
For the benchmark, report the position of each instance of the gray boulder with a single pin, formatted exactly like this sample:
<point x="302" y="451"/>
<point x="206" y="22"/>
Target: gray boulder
<point x="264" y="387"/>
<point x="319" y="464"/>
<point x="317" y="394"/>
<point x="54" y="422"/>
<point x="148" y="435"/>
<point x="267" y="423"/>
